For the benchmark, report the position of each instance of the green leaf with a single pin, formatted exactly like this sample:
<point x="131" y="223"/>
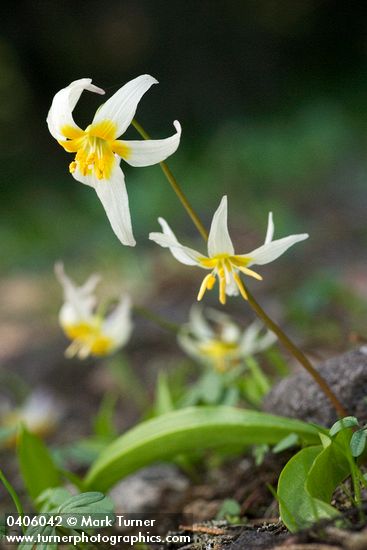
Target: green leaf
<point x="346" y="422"/>
<point x="230" y="507"/>
<point x="91" y="504"/>
<point x="46" y="531"/>
<point x="51" y="499"/>
<point x="358" y="442"/>
<point x="298" y="509"/>
<point x="36" y="465"/>
<point x="103" y="424"/>
<point x="330" y="468"/>
<point x="87" y="503"/>
<point x="163" y="401"/>
<point x="292" y="440"/>
<point x="190" y="430"/>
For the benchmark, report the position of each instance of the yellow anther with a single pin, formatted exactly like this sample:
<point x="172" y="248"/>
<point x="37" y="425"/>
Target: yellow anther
<point x="250" y="273"/>
<point x="208" y="283"/>
<point x="222" y="286"/>
<point x="239" y="283"/>
<point x="72" y="167"/>
<point x="94" y="149"/>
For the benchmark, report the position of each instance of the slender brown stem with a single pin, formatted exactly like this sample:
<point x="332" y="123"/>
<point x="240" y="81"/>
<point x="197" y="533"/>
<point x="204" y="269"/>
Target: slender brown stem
<point x="292" y="348"/>
<point x="175" y="186"/>
<point x="297" y="353"/>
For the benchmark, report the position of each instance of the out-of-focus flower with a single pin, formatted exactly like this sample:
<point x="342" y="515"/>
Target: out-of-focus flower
<point x="40" y="414"/>
<point x="216" y="340"/>
<point x="222" y="260"/>
<point x="90" y="332"/>
<point x="99" y="152"/>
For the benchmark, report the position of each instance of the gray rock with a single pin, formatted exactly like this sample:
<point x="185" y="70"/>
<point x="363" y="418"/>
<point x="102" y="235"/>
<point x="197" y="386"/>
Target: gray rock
<point x="298" y="396"/>
<point x="150" y="488"/>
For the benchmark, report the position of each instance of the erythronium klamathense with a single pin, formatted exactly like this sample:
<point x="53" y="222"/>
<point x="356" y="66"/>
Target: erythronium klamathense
<point x="97" y="149"/>
<point x="222" y="261"/>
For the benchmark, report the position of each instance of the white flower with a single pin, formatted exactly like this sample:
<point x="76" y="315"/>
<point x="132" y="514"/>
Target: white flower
<point x="218" y="341"/>
<point x="40" y="413"/>
<point x="98" y="151"/>
<point x="222" y="260"/>
<point x="91" y="333"/>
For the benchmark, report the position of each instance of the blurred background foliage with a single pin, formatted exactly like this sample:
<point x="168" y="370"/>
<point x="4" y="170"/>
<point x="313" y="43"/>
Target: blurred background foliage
<point x="271" y="95"/>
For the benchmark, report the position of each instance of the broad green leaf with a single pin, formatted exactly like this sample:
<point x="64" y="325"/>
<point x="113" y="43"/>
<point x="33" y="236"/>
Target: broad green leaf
<point x="298" y="509"/>
<point x="330" y="468"/>
<point x="36" y="465"/>
<point x="346" y="422"/>
<point x="86" y="504"/>
<point x="186" y="431"/>
<point x="358" y="442"/>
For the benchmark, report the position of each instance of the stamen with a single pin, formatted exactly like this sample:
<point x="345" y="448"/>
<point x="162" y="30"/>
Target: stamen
<point x="208" y="283"/>
<point x="72" y="167"/>
<point x="250" y="273"/>
<point x="222" y="286"/>
<point x="241" y="288"/>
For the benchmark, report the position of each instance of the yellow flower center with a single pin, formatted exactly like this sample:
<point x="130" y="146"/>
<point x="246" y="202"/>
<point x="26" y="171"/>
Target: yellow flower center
<point x="224" y="267"/>
<point x="88" y="338"/>
<point x="95" y="148"/>
<point x="223" y="354"/>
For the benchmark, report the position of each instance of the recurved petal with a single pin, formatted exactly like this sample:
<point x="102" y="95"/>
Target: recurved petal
<point x="79" y="300"/>
<point x="113" y="196"/>
<point x="272" y="250"/>
<point x="198" y="324"/>
<point x="118" y="325"/>
<point x="60" y="114"/>
<point x="270" y="229"/>
<point x="219" y="241"/>
<point x="150" y="151"/>
<point x="168" y="239"/>
<point x="121" y="107"/>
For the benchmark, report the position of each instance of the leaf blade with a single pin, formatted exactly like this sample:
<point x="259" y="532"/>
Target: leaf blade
<point x="187" y="430"/>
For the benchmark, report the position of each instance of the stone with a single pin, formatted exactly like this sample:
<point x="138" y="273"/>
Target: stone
<point x="298" y="396"/>
<point x="149" y="489"/>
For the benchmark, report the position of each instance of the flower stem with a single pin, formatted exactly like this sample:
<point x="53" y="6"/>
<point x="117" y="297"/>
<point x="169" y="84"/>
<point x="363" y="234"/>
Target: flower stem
<point x="175" y="186"/>
<point x="297" y="353"/>
<point x="292" y="348"/>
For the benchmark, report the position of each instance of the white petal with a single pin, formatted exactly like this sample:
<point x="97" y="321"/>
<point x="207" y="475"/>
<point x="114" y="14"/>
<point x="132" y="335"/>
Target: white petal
<point x="271" y="251"/>
<point x="118" y="325"/>
<point x="113" y="196"/>
<point x="167" y="239"/>
<point x="121" y="107"/>
<point x="79" y="300"/>
<point x="219" y="241"/>
<point x="270" y="230"/>
<point x="252" y="342"/>
<point x="60" y="113"/>
<point x="198" y="325"/>
<point x="189" y="345"/>
<point x="249" y="338"/>
<point x="152" y="151"/>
